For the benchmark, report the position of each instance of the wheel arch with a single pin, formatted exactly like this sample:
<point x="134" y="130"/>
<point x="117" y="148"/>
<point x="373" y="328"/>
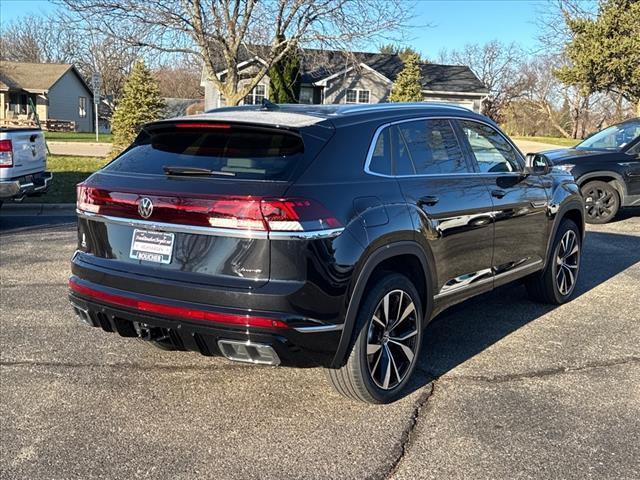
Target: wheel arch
<point x="572" y="209"/>
<point x="405" y="257"/>
<point x="612" y="178"/>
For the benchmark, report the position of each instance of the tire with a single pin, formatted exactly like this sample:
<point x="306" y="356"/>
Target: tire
<point x="602" y="202"/>
<point x="381" y="375"/>
<point x="557" y="282"/>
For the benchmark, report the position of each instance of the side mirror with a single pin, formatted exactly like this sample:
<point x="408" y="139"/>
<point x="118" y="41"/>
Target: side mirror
<point x="537" y="164"/>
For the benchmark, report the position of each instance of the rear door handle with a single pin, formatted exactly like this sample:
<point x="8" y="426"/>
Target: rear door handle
<point x="428" y="200"/>
<point x="498" y="193"/>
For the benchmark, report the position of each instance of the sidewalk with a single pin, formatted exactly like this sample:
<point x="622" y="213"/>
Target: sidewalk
<point x="80" y="149"/>
<point x="35" y="209"/>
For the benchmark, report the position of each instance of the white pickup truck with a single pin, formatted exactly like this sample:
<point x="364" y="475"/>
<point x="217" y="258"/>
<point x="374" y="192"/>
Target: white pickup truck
<point x="23" y="161"/>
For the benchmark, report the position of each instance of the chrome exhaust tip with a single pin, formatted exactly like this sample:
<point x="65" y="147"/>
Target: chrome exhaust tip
<point x="83" y="315"/>
<point x="248" y="352"/>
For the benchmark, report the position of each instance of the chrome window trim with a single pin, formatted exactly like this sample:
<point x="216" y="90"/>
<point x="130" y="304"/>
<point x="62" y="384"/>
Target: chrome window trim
<point x="372" y="145"/>
<point x="219" y="232"/>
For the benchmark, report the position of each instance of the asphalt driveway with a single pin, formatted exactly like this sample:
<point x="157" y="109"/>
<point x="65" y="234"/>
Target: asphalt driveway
<point x="506" y="389"/>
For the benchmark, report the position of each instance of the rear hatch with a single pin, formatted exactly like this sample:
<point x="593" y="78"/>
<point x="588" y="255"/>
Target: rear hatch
<point x="28" y="152"/>
<point x="196" y="201"/>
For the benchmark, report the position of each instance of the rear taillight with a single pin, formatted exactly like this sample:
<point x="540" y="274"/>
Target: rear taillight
<point x="296" y="215"/>
<point x="6" y="154"/>
<point x="233" y="212"/>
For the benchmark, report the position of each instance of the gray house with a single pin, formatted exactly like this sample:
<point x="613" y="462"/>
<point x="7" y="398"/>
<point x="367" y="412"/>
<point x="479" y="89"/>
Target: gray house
<point x="334" y="77"/>
<point x="57" y="91"/>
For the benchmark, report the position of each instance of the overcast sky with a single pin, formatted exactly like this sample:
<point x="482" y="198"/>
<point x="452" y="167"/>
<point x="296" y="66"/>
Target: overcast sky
<point x="452" y="23"/>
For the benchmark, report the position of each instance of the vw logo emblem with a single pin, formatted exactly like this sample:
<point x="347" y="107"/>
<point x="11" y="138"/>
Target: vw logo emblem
<point x="145" y="207"/>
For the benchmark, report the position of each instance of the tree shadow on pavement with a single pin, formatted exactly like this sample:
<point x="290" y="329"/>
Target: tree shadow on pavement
<point x="463" y="331"/>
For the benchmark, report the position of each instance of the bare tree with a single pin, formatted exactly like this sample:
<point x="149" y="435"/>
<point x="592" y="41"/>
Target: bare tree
<point x="179" y="79"/>
<point x="554" y="32"/>
<point x="498" y="66"/>
<point x="36" y="39"/>
<point x="566" y="107"/>
<point x="222" y="32"/>
<point x="60" y="38"/>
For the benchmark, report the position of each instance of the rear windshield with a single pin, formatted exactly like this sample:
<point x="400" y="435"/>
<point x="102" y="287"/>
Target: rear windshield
<point x="234" y="151"/>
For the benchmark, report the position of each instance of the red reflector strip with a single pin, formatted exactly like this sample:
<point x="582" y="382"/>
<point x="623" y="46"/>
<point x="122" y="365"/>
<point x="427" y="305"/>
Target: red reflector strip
<point x="163" y="309"/>
<point x="223" y="126"/>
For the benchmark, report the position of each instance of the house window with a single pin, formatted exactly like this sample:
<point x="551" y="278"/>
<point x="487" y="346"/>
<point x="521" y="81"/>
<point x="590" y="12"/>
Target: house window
<point x="256" y="95"/>
<point x="306" y="95"/>
<point x="357" y="96"/>
<point x="82" y="107"/>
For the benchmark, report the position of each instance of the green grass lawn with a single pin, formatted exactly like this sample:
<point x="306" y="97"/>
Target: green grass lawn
<point x="67" y="172"/>
<point x="77" y="137"/>
<point x="563" y="142"/>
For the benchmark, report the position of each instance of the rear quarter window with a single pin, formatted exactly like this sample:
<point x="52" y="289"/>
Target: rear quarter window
<point x="240" y="152"/>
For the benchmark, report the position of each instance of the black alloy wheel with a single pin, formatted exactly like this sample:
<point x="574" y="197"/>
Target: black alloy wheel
<point x="601" y="202"/>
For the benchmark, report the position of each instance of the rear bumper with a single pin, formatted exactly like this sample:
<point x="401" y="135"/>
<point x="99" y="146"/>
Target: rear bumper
<point x="297" y="341"/>
<point x="26" y="185"/>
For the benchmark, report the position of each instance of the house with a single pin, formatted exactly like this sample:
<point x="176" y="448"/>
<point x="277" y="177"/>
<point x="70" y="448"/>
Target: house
<point x="335" y="77"/>
<point x="57" y="91"/>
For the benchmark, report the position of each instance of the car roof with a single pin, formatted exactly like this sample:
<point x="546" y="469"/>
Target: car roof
<point x="629" y="120"/>
<point x="301" y="115"/>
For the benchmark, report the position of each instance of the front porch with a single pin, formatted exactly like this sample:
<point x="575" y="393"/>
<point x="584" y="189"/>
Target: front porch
<point x="21" y="108"/>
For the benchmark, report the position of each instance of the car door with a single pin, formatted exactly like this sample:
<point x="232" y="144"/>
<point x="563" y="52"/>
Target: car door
<point x="520" y="202"/>
<point x="632" y="172"/>
<point x="450" y="205"/>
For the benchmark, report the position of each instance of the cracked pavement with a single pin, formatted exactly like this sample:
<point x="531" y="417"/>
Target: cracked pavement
<point x="505" y="389"/>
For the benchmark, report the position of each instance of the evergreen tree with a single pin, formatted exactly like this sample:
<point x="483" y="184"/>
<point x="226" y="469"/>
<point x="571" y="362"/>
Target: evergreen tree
<point x="605" y="51"/>
<point x="402" y="51"/>
<point x="140" y="103"/>
<point x="408" y="84"/>
<point x="284" y="78"/>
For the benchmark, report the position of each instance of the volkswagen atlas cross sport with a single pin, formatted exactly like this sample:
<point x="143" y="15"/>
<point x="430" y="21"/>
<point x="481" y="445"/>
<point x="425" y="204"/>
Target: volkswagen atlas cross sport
<point x="318" y="235"/>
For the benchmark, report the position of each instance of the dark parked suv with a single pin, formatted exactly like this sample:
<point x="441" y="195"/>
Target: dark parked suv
<point x="606" y="166"/>
<point x="318" y="235"/>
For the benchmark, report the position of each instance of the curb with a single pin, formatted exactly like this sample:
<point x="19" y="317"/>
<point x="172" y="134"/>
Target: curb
<point x="55" y="143"/>
<point x="30" y="209"/>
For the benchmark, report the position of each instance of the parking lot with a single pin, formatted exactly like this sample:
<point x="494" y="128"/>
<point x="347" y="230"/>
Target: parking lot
<point x="506" y="388"/>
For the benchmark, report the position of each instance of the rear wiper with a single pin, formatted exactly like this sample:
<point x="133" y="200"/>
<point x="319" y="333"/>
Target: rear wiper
<point x="195" y="171"/>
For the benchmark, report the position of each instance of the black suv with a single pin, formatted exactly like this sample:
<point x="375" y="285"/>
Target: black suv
<point x="318" y="235"/>
<point x="606" y="166"/>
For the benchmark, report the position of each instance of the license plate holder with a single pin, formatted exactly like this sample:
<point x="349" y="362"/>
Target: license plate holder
<point x="151" y="246"/>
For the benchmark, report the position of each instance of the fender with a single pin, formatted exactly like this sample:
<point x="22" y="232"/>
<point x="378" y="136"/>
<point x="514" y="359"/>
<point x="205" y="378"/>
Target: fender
<point x="571" y="204"/>
<point x="370" y="263"/>
<point x="619" y="183"/>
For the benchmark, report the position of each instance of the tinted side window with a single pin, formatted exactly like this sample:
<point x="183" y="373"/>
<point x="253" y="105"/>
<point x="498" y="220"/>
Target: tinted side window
<point x="429" y="147"/>
<point x="492" y="151"/>
<point x="634" y="150"/>
<point x="381" y="157"/>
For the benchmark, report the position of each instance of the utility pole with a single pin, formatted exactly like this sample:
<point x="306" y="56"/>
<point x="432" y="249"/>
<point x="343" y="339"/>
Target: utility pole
<point x="96" y="83"/>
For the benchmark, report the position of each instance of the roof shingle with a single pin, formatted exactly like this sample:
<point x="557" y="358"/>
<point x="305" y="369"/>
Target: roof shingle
<point x="319" y="64"/>
<point x="32" y="77"/>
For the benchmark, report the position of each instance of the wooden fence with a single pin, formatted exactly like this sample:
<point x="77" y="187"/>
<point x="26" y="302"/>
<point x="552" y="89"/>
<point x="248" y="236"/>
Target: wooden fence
<point x="50" y="125"/>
